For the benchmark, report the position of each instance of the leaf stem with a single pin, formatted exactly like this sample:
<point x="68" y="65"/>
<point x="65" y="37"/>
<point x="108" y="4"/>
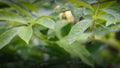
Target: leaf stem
<point x="42" y="37"/>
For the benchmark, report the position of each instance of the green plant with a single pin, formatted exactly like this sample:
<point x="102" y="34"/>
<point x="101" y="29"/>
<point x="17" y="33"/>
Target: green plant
<point x="92" y="22"/>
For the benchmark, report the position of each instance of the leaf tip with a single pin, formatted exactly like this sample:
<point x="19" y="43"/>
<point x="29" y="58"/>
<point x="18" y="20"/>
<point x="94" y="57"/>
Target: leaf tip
<point x="27" y="42"/>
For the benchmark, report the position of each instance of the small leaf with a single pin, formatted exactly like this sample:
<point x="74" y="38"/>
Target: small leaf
<point x="110" y="19"/>
<point x="6" y="37"/>
<point x="79" y="3"/>
<point x="105" y="4"/>
<point x="78" y="29"/>
<point x="10" y="16"/>
<point x="47" y="22"/>
<point x="59" y="25"/>
<point x="25" y="33"/>
<point x="76" y="49"/>
<point x="29" y="6"/>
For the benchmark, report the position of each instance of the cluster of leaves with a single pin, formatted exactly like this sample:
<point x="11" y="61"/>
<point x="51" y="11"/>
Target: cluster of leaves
<point x="92" y="21"/>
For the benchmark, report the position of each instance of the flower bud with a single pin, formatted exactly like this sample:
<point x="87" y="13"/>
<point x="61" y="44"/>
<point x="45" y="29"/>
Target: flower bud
<point x="56" y="8"/>
<point x="69" y="16"/>
<point x="62" y="15"/>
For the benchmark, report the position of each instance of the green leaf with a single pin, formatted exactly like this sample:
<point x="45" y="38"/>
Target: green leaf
<point x="25" y="33"/>
<point x="59" y="25"/>
<point x="78" y="29"/>
<point x="110" y="19"/>
<point x="29" y="6"/>
<point x="105" y="4"/>
<point x="77" y="12"/>
<point x="76" y="49"/>
<point x="61" y="1"/>
<point x="10" y="16"/>
<point x="16" y="6"/>
<point x="39" y="17"/>
<point x="7" y="36"/>
<point x="50" y="33"/>
<point x="38" y="4"/>
<point x="47" y="22"/>
<point x="78" y="3"/>
<point x="63" y="43"/>
<point x="84" y="37"/>
<point x="114" y="12"/>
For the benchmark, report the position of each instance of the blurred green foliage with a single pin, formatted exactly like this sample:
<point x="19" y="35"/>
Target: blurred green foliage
<point x="52" y="40"/>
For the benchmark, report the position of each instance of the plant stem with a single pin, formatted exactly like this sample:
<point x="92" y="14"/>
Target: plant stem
<point x="94" y="21"/>
<point x="95" y="17"/>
